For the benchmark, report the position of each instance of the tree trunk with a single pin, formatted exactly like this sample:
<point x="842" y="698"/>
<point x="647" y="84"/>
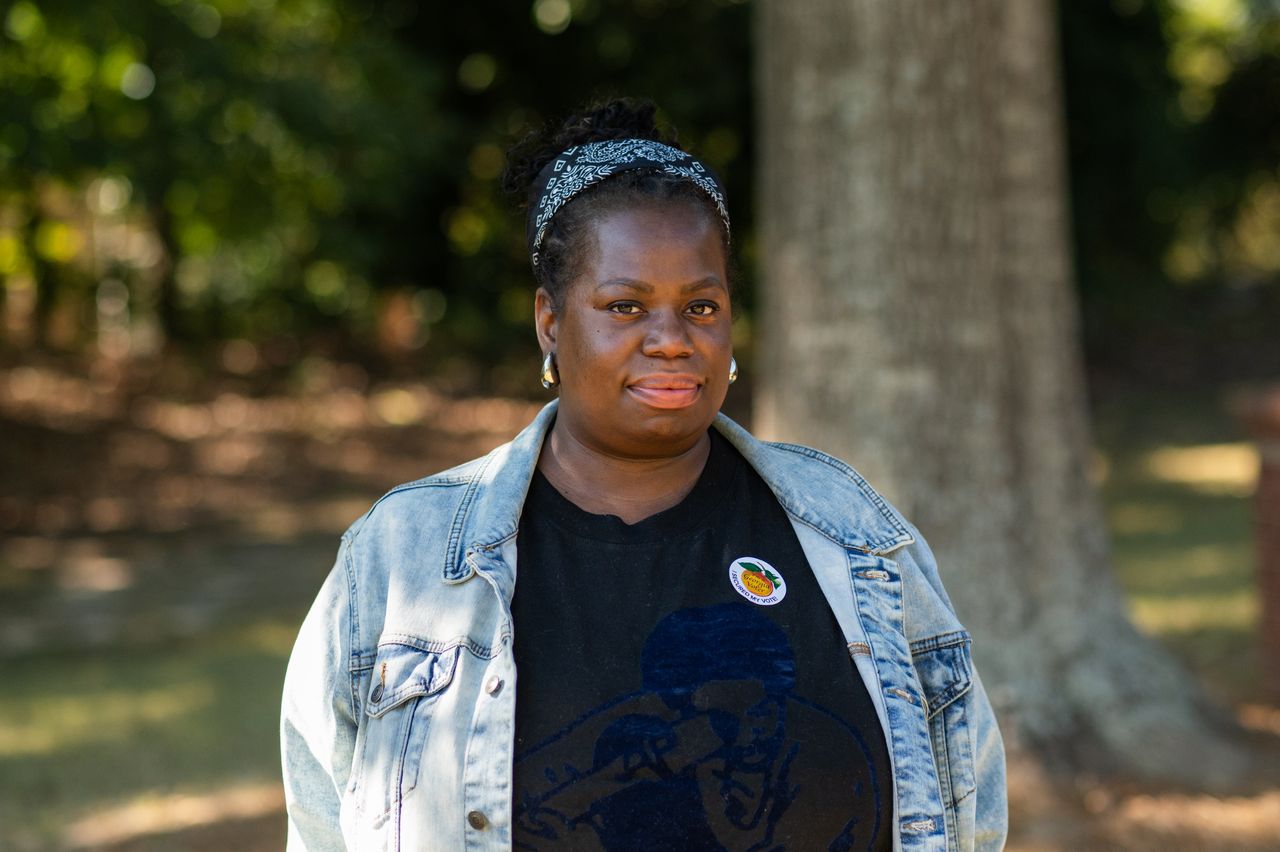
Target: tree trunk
<point x="918" y="320"/>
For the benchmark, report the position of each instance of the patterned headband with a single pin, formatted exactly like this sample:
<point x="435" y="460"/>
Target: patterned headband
<point x="583" y="166"/>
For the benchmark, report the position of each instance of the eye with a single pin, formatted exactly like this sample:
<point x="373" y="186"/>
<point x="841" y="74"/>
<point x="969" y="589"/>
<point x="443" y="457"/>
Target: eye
<point x="624" y="308"/>
<point x="703" y="309"/>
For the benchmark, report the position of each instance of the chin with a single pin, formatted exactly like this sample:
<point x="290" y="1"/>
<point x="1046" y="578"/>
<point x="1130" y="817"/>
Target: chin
<point x="672" y="430"/>
<point x="628" y="427"/>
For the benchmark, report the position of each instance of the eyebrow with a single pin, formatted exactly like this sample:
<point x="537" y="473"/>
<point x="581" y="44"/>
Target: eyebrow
<point x="709" y="282"/>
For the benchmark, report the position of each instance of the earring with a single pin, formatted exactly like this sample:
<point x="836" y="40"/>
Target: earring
<point x="550" y="374"/>
<point x="733" y="369"/>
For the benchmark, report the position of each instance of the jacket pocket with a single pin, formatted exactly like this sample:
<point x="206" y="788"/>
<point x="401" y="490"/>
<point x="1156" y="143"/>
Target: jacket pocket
<point x="944" y="665"/>
<point x="404" y="683"/>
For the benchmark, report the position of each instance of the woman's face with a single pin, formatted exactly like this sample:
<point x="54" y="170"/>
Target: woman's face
<point x="642" y="336"/>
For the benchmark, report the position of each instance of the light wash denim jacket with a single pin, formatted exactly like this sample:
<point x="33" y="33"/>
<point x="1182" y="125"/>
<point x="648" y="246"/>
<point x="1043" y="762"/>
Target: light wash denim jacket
<point x="399" y="703"/>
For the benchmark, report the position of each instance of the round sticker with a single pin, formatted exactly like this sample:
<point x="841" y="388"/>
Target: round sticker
<point x="757" y="581"/>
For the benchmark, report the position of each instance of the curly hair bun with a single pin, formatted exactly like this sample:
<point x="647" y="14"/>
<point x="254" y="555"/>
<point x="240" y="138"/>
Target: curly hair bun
<point x="620" y="118"/>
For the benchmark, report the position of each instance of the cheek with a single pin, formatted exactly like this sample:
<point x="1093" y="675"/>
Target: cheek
<point x="592" y="351"/>
<point x="718" y="341"/>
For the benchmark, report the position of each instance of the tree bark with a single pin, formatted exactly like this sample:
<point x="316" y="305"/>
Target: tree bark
<point x="918" y="320"/>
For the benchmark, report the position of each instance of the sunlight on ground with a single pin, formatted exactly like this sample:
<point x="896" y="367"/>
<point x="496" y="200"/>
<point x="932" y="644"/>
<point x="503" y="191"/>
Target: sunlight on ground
<point x="98" y="742"/>
<point x="52" y="723"/>
<point x="1245" y="819"/>
<point x="156" y="814"/>
<point x="1260" y="717"/>
<point x="1164" y="616"/>
<point x="398" y="407"/>
<point x="1177" y="565"/>
<point x="271" y="637"/>
<point x="1180" y="518"/>
<point x="1138" y="518"/>
<point x="1230" y="469"/>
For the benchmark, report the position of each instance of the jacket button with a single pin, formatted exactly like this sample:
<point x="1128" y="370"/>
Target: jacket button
<point x="477" y="820"/>
<point x="493" y="685"/>
<point x="376" y="696"/>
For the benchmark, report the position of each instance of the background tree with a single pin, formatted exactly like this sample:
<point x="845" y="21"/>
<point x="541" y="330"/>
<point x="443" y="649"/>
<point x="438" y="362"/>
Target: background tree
<point x="919" y="319"/>
<point x="1174" y="187"/>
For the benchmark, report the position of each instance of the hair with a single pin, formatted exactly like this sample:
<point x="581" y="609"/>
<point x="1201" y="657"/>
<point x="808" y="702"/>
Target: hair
<point x="568" y="240"/>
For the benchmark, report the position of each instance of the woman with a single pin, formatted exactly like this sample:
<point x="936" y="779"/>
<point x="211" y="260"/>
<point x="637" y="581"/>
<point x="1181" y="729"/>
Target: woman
<point x="721" y="643"/>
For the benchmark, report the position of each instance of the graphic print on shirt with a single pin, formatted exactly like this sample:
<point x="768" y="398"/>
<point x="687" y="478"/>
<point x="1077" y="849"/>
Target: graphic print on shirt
<point x="700" y="756"/>
<point x="757" y="581"/>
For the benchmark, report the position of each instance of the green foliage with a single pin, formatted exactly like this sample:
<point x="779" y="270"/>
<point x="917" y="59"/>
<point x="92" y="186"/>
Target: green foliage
<point x="251" y="138"/>
<point x="322" y="174"/>
<point x="307" y="165"/>
<point x="1175" y="171"/>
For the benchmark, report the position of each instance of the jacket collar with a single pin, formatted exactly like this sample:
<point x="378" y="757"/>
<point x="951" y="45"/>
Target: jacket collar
<point x="816" y="489"/>
<point x="489" y="512"/>
<point x="822" y="492"/>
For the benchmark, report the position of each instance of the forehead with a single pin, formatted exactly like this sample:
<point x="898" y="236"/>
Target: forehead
<point x="655" y="243"/>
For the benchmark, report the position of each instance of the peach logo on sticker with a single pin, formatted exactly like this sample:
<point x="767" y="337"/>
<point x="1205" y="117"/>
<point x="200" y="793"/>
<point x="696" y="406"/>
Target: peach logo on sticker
<point x="757" y="581"/>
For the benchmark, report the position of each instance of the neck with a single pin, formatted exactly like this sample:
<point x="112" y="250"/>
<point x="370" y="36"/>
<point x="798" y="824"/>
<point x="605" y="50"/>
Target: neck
<point x="607" y="484"/>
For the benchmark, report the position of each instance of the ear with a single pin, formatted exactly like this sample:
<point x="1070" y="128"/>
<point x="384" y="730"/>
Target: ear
<point x="545" y="320"/>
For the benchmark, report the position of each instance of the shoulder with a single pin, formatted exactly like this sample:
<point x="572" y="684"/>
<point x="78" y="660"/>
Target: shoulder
<point x="829" y="470"/>
<point x="397" y="554"/>
<point x="905" y="543"/>
<point x="823" y="492"/>
<point x="897" y="540"/>
<point x="831" y="497"/>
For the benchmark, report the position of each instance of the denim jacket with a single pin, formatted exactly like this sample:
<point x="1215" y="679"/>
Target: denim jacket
<point x="398" y="717"/>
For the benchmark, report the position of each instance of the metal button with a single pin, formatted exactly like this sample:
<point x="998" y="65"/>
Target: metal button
<point x="493" y="685"/>
<point x="376" y="695"/>
<point x="477" y="820"/>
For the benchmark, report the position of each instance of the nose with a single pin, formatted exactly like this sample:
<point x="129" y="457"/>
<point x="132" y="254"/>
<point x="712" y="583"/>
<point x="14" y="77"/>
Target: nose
<point x="667" y="335"/>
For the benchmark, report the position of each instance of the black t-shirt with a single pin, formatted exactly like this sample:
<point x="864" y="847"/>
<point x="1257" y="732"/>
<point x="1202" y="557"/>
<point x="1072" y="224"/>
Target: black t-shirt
<point x="683" y="684"/>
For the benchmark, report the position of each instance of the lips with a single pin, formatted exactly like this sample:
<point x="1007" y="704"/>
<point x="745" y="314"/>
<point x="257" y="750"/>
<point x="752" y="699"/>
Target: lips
<point x="667" y="390"/>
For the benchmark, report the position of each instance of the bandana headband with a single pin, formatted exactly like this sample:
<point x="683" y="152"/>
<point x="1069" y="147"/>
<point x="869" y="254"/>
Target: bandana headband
<point x="583" y="166"/>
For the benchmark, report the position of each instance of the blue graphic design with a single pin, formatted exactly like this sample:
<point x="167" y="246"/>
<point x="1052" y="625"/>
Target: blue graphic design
<point x="699" y="758"/>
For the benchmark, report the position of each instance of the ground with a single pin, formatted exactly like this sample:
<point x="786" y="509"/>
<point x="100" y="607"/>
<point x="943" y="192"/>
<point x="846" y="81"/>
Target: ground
<point x="162" y="533"/>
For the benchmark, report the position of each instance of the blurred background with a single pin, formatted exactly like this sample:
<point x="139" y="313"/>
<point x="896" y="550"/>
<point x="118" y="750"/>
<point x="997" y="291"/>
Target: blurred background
<point x="256" y="268"/>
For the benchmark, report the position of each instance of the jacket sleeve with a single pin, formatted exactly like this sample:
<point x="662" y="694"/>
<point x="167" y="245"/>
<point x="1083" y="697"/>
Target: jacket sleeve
<point x="318" y="716"/>
<point x="991" y="809"/>
<point x="991" y="818"/>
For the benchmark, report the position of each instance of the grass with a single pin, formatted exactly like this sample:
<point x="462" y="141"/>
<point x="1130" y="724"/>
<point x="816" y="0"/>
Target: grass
<point x="1176" y="493"/>
<point x="85" y="732"/>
